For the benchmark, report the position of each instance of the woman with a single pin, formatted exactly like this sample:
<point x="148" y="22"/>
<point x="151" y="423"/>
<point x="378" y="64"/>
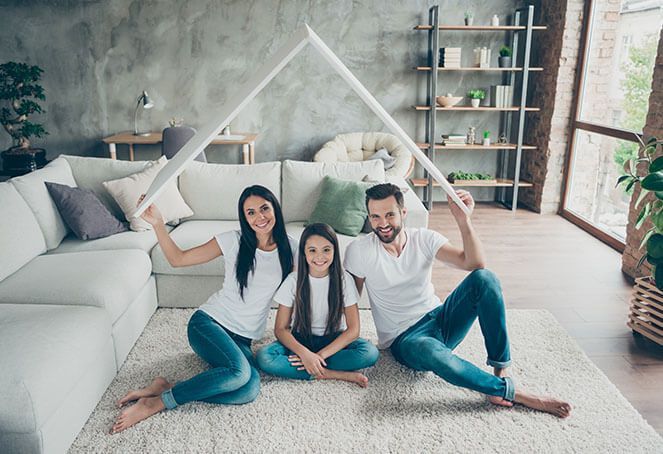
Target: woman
<point x="221" y="330"/>
<point x="319" y="295"/>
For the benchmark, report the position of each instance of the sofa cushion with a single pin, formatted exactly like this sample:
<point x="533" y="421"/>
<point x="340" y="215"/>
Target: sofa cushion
<point x="46" y="350"/>
<point x="90" y="173"/>
<point x="190" y="234"/>
<point x="212" y="190"/>
<point x="342" y="205"/>
<point x="107" y="279"/>
<point x="144" y="241"/>
<point x="21" y="238"/>
<point x="301" y="183"/>
<point x="32" y="189"/>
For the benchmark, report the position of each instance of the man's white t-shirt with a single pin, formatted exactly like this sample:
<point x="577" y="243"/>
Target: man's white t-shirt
<point x="247" y="317"/>
<point x="319" y="303"/>
<point x="399" y="288"/>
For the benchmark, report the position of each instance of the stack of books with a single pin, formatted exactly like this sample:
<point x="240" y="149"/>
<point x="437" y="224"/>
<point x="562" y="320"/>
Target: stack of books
<point x="453" y="139"/>
<point x="450" y="57"/>
<point x="501" y="96"/>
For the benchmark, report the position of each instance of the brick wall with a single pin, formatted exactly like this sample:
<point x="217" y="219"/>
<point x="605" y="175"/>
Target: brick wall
<point x="653" y="127"/>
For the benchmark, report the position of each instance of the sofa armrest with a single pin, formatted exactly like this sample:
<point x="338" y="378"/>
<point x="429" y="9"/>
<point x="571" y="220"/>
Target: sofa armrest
<point x="417" y="214"/>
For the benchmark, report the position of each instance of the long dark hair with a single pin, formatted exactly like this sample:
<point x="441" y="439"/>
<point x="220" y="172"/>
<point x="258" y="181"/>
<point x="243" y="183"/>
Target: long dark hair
<point x="302" y="305"/>
<point x="246" y="258"/>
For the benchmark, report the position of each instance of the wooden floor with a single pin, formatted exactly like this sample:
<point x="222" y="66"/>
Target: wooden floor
<point x="544" y="261"/>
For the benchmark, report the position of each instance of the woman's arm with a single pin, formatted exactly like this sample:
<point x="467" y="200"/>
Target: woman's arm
<point x="310" y="361"/>
<point x="347" y="336"/>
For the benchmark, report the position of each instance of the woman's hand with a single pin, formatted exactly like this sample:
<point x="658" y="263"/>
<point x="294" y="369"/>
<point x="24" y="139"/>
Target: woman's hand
<point x="309" y="361"/>
<point x="151" y="215"/>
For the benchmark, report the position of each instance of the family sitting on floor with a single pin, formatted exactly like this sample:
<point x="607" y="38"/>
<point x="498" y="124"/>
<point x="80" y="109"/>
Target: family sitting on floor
<point x="317" y="323"/>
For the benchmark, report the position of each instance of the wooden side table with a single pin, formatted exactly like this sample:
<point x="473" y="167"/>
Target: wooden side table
<point x="246" y="139"/>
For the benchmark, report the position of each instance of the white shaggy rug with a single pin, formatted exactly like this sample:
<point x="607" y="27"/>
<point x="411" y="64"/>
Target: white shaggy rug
<point x="401" y="410"/>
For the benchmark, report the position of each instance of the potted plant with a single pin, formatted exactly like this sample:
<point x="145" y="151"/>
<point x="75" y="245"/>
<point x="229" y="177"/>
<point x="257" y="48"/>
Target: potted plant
<point x="647" y="171"/>
<point x="19" y="89"/>
<point x="504" y="61"/>
<point x="460" y="177"/>
<point x="476" y="96"/>
<point x="469" y="17"/>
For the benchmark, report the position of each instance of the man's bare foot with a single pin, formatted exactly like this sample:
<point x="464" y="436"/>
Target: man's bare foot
<point x="155" y="388"/>
<point x="352" y="377"/>
<point x="143" y="409"/>
<point x="548" y="404"/>
<point x="495" y="400"/>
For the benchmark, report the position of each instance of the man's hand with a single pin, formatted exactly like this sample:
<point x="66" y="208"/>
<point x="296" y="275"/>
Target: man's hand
<point x="457" y="211"/>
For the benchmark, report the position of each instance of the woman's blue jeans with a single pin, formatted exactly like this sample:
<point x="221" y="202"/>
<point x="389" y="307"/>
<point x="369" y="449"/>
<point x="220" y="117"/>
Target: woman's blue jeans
<point x="233" y="378"/>
<point x="273" y="358"/>
<point x="428" y="345"/>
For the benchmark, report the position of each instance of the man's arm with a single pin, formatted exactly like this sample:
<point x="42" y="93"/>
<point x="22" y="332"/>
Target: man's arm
<point x="359" y="282"/>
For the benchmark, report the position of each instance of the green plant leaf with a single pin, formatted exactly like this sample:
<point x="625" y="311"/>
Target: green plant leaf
<point x="621" y="179"/>
<point x="653" y="181"/>
<point x="641" y="261"/>
<point x="656" y="165"/>
<point x="658" y="277"/>
<point x="630" y="185"/>
<point x="643" y="194"/>
<point x="655" y="246"/>
<point x="649" y="233"/>
<point x="642" y="217"/>
<point x="657" y="220"/>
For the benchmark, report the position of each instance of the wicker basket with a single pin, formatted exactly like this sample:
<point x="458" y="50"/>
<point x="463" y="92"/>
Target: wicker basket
<point x="646" y="313"/>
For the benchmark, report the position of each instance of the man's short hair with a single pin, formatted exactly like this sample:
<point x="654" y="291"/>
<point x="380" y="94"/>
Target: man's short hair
<point x="383" y="191"/>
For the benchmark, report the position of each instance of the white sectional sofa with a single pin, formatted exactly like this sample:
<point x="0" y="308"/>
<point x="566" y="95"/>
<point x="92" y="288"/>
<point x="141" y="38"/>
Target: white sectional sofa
<point x="71" y="310"/>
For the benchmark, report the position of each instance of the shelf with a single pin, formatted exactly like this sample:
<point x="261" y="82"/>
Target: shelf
<point x="482" y="108"/>
<point x="427" y="68"/>
<point x="505" y="146"/>
<point x="485" y="28"/>
<point x="501" y="182"/>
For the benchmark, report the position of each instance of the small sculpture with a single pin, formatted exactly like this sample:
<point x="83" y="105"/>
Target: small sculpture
<point x="503" y="139"/>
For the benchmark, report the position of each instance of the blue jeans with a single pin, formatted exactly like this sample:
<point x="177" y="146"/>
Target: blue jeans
<point x="233" y="378"/>
<point x="428" y="345"/>
<point x="273" y="358"/>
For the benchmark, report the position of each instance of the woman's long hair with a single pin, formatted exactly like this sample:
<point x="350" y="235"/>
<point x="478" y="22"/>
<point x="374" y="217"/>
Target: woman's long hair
<point x="302" y="304"/>
<point x="246" y="258"/>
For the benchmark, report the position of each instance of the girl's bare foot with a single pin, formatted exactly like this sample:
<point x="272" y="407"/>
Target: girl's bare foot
<point x="550" y="405"/>
<point x="352" y="377"/>
<point x="143" y="409"/>
<point x="155" y="388"/>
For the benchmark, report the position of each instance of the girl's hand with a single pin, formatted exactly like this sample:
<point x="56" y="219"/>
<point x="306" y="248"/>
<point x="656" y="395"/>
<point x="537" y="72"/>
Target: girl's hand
<point x="151" y="215"/>
<point x="311" y="362"/>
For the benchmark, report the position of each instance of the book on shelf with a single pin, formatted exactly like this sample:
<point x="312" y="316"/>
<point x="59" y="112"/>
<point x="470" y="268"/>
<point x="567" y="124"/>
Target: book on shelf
<point x="501" y="96"/>
<point x="453" y="139"/>
<point x="450" y="57"/>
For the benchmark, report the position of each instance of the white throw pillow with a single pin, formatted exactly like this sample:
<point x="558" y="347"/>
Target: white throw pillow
<point x="126" y="192"/>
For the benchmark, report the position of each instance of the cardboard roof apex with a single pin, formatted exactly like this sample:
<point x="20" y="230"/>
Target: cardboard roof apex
<point x="300" y="39"/>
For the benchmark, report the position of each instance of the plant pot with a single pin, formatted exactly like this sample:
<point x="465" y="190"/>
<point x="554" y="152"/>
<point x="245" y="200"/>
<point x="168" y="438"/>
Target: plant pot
<point x="16" y="161"/>
<point x="475" y="102"/>
<point x="646" y="313"/>
<point x="469" y="20"/>
<point x="504" y="62"/>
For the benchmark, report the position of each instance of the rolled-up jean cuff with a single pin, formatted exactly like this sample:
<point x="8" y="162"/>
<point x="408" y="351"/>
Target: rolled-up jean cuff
<point x="498" y="364"/>
<point x="510" y="392"/>
<point x="168" y="399"/>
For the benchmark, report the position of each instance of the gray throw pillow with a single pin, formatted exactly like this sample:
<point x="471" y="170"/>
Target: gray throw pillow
<point x="388" y="160"/>
<point x="83" y="212"/>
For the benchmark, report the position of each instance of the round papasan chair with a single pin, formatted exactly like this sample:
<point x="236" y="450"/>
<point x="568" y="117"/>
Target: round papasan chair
<point x="361" y="146"/>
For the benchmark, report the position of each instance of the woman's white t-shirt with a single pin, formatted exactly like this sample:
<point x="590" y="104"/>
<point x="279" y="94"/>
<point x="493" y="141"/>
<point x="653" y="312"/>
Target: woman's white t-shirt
<point x="247" y="317"/>
<point x="319" y="303"/>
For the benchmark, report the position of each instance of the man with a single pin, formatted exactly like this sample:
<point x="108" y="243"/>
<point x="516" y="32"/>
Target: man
<point x="395" y="263"/>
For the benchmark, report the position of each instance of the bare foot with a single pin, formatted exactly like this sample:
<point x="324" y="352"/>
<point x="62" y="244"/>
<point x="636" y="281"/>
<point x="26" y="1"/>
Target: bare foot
<point x="155" y="388"/>
<point x="495" y="400"/>
<point x="550" y="405"/>
<point x="143" y="409"/>
<point x="500" y="372"/>
<point x="352" y="377"/>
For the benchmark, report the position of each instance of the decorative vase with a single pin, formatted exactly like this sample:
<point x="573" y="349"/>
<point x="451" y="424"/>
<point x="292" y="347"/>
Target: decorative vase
<point x="17" y="162"/>
<point x="504" y="62"/>
<point x="469" y="20"/>
<point x="475" y="102"/>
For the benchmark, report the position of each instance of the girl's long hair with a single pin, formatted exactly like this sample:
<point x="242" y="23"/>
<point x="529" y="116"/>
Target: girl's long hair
<point x="246" y="258"/>
<point x="302" y="305"/>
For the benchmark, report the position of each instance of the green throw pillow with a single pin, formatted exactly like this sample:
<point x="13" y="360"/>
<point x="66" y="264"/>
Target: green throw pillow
<point x="342" y="205"/>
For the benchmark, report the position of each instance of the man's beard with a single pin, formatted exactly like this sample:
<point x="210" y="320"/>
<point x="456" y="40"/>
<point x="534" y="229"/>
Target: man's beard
<point x="394" y="233"/>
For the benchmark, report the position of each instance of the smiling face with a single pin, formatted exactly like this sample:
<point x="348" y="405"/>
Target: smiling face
<point x="319" y="255"/>
<point x="259" y="214"/>
<point x="386" y="218"/>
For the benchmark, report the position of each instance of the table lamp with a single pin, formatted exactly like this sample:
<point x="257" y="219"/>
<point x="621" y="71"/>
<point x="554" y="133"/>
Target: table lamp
<point x="147" y="104"/>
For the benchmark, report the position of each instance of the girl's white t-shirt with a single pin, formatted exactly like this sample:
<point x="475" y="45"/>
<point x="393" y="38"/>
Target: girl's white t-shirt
<point x="247" y="317"/>
<point x="319" y="304"/>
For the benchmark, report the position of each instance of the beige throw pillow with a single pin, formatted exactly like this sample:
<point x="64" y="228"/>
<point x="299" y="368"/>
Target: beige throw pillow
<point x="126" y="192"/>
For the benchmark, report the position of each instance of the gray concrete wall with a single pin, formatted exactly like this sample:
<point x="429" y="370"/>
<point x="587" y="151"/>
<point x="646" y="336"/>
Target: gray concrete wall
<point x="98" y="56"/>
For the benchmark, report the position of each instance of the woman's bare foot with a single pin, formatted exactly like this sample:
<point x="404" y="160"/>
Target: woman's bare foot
<point x="352" y="377"/>
<point x="155" y="388"/>
<point x="143" y="409"/>
<point x="550" y="405"/>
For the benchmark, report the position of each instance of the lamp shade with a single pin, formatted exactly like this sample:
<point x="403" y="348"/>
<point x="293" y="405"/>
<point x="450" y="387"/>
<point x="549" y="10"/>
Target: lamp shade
<point x="147" y="102"/>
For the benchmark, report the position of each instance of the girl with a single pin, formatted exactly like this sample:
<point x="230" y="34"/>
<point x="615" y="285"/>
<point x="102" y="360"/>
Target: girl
<point x="318" y="344"/>
<point x="221" y="330"/>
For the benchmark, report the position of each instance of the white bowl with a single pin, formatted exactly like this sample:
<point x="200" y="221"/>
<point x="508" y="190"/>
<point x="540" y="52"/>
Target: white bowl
<point x="448" y="101"/>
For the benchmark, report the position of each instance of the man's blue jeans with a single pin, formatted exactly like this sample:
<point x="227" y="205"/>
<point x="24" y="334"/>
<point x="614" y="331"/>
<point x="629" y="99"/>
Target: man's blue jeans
<point x="428" y="345"/>
<point x="233" y="378"/>
<point x="273" y="358"/>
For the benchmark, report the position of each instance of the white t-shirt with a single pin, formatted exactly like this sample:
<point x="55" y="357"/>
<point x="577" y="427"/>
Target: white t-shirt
<point x="319" y="304"/>
<point x="246" y="317"/>
<point x="399" y="288"/>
